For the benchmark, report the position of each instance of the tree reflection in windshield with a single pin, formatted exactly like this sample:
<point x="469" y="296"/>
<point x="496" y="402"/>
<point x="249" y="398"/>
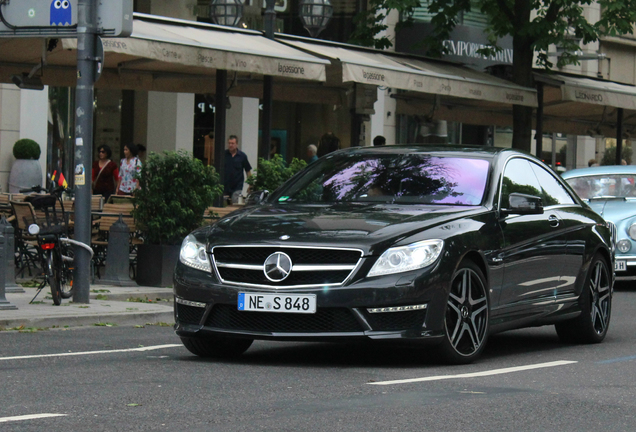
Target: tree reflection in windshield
<point x="397" y="178"/>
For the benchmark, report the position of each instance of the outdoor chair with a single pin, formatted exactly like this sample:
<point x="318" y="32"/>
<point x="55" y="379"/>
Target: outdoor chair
<point x="26" y="246"/>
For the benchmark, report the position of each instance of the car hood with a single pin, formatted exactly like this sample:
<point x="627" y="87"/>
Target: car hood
<point x="614" y="210"/>
<point x="351" y="225"/>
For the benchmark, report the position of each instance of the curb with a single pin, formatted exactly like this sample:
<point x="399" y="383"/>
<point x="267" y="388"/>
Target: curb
<point x="119" y="319"/>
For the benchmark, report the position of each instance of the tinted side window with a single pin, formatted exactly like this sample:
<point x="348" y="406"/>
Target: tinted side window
<point x="553" y="192"/>
<point x="518" y="177"/>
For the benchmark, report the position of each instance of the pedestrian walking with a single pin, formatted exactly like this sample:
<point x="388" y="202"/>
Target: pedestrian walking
<point x="236" y="164"/>
<point x="128" y="168"/>
<point x="105" y="173"/>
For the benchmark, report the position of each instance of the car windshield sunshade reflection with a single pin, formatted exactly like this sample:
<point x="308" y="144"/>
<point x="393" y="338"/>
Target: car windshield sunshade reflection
<point x="604" y="186"/>
<point x="401" y="178"/>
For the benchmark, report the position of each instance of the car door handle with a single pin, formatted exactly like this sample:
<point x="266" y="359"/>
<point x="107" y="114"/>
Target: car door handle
<point x="554" y="221"/>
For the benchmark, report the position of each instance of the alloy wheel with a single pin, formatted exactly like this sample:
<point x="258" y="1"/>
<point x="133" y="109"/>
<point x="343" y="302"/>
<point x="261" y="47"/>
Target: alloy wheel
<point x="600" y="297"/>
<point x="467" y="313"/>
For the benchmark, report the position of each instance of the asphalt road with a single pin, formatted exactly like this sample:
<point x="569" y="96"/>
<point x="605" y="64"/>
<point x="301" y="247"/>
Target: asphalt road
<point x="142" y="379"/>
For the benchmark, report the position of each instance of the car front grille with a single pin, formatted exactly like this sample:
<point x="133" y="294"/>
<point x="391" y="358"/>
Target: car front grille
<point x="189" y="314"/>
<point x="311" y="266"/>
<point x="324" y="320"/>
<point x="392" y="321"/>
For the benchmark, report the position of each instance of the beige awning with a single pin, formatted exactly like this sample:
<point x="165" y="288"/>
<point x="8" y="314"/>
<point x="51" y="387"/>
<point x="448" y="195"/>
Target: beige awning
<point x="213" y="47"/>
<point x="592" y="91"/>
<point x="585" y="106"/>
<point x="418" y="75"/>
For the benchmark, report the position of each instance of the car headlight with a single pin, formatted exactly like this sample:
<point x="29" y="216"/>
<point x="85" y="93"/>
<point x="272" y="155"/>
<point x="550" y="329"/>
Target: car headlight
<point x="623" y="245"/>
<point x="193" y="254"/>
<point x="406" y="258"/>
<point x="632" y="231"/>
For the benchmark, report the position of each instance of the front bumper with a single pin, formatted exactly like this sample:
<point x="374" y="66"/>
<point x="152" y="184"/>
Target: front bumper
<point x="630" y="265"/>
<point x="206" y="308"/>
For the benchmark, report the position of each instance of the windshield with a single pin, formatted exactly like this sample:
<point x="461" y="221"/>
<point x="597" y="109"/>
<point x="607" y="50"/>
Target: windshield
<point x="604" y="186"/>
<point x="390" y="178"/>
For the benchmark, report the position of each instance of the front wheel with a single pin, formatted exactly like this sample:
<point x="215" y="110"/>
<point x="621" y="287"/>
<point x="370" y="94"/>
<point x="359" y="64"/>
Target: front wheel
<point x="596" y="307"/>
<point x="52" y="274"/>
<point x="217" y="348"/>
<point x="467" y="314"/>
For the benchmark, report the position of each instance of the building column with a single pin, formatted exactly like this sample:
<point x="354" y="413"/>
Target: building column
<point x="23" y="114"/>
<point x="34" y="124"/>
<point x="242" y="121"/>
<point x="170" y="121"/>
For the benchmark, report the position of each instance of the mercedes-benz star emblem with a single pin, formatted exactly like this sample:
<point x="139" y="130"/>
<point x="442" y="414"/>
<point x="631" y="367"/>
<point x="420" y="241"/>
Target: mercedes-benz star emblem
<point x="277" y="266"/>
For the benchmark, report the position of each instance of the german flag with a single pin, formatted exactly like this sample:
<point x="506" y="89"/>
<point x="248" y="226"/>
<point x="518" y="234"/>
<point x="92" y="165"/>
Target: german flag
<point x="61" y="181"/>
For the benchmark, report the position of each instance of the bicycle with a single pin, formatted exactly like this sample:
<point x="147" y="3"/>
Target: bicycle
<point x="54" y="245"/>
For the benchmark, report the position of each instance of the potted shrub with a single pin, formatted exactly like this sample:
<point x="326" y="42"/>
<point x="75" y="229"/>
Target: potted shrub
<point x="272" y="173"/>
<point x="175" y="189"/>
<point x="26" y="171"/>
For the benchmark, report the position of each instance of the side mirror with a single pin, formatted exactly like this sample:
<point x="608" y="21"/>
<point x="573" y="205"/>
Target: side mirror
<point x="256" y="197"/>
<point x="523" y="204"/>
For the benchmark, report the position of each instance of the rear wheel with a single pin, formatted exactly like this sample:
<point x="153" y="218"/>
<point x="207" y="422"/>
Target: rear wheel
<point x="53" y="276"/>
<point x="467" y="314"/>
<point x="66" y="279"/>
<point x="217" y="348"/>
<point x="596" y="307"/>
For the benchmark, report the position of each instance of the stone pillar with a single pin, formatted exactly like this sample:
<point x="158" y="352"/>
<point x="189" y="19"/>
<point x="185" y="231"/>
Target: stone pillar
<point x="4" y="257"/>
<point x="7" y="230"/>
<point x="118" y="256"/>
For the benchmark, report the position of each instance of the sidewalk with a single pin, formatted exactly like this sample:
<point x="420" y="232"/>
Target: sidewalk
<point x="108" y="305"/>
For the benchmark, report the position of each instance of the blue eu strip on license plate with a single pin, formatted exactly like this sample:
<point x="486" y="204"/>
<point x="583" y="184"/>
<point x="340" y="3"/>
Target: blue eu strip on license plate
<point x="290" y="303"/>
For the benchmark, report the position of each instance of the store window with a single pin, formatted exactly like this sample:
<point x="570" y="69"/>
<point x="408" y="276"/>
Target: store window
<point x="203" y="147"/>
<point x="472" y="18"/>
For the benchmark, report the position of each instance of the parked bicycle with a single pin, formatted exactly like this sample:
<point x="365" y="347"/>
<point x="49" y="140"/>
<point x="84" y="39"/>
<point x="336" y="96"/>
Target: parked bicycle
<point x="51" y="228"/>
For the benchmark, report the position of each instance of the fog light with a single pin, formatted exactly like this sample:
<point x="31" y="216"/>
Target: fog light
<point x="190" y="303"/>
<point x="624" y="246"/>
<point x="397" y="308"/>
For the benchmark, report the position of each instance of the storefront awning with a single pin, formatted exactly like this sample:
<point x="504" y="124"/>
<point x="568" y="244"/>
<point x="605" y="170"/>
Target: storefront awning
<point x="408" y="73"/>
<point x="170" y="55"/>
<point x="589" y="91"/>
<point x="585" y="106"/>
<point x="214" y="47"/>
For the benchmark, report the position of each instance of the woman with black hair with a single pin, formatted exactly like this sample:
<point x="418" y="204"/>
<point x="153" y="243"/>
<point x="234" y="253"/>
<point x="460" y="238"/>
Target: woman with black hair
<point x="105" y="173"/>
<point x="129" y="166"/>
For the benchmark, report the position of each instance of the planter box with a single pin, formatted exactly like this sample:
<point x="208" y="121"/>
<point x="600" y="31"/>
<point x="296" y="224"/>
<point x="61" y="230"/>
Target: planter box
<point x="155" y="264"/>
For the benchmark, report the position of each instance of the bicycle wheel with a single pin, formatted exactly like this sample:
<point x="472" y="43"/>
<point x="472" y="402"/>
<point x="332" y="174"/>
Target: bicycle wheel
<point x="66" y="279"/>
<point x="52" y="275"/>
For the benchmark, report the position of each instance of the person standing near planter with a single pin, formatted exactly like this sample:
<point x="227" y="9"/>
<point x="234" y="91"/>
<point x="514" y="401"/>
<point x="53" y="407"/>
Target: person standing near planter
<point x="235" y="163"/>
<point x="105" y="173"/>
<point x="129" y="166"/>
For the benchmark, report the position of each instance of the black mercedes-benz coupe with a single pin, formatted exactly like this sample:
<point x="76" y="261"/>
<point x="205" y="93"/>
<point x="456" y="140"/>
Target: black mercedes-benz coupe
<point x="437" y="245"/>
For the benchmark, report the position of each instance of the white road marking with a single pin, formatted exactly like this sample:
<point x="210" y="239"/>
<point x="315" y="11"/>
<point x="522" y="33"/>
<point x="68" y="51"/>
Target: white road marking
<point x="29" y="417"/>
<point x="477" y="374"/>
<point x="148" y="348"/>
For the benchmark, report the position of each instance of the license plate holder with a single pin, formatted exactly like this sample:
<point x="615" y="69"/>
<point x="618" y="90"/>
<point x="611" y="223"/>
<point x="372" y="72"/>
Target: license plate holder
<point x="278" y="303"/>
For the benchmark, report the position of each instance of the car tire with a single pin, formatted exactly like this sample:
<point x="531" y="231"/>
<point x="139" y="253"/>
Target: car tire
<point x="216" y="348"/>
<point x="467" y="314"/>
<point x="596" y="307"/>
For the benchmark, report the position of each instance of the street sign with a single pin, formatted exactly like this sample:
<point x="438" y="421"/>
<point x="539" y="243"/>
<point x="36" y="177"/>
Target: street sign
<point x="58" y="18"/>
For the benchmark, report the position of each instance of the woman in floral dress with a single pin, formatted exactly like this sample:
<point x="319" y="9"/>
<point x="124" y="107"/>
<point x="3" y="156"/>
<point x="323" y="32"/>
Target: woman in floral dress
<point x="128" y="167"/>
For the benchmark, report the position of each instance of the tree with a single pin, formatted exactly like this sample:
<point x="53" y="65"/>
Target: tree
<point x="559" y="22"/>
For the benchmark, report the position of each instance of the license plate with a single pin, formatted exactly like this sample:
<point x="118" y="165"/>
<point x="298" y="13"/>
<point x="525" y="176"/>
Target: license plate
<point x="620" y="266"/>
<point x="291" y="303"/>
